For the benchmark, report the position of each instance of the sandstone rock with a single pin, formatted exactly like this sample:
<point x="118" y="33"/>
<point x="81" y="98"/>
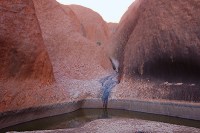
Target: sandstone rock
<point x="159" y="38"/>
<point x="94" y="27"/>
<point x="75" y="22"/>
<point x="72" y="55"/>
<point x="112" y="28"/>
<point x="22" y="51"/>
<point x="157" y="42"/>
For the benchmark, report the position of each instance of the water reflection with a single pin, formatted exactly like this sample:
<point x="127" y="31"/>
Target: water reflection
<point x="82" y="116"/>
<point x="104" y="114"/>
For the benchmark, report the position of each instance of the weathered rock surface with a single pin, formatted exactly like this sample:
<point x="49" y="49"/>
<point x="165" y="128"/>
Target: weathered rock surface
<point x="151" y="35"/>
<point x="159" y="37"/>
<point x="112" y="28"/>
<point x="72" y="55"/>
<point x="23" y="55"/>
<point x="160" y="41"/>
<point x="22" y="52"/>
<point x="94" y="27"/>
<point x="75" y="22"/>
<point x="125" y="126"/>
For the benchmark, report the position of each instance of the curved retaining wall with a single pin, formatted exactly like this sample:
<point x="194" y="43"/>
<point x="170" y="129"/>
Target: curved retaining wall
<point x="176" y="109"/>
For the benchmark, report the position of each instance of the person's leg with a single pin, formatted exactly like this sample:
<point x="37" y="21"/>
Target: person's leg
<point x="106" y="104"/>
<point x="103" y="104"/>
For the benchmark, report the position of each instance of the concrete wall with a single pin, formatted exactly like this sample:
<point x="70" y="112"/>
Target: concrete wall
<point x="176" y="109"/>
<point x="171" y="108"/>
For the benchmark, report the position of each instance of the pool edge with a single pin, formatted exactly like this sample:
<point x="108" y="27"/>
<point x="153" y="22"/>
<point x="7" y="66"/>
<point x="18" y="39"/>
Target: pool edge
<point x="169" y="108"/>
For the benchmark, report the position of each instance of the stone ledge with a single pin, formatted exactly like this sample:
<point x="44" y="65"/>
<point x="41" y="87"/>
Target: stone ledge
<point x="170" y="108"/>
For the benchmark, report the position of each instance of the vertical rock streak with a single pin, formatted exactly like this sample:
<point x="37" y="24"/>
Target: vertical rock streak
<point x="108" y="83"/>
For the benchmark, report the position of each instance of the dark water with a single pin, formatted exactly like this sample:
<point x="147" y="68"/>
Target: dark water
<point x="82" y="116"/>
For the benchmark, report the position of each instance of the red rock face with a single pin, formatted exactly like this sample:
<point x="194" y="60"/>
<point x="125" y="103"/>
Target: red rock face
<point x="153" y="38"/>
<point x="112" y="28"/>
<point x="72" y="55"/>
<point x="22" y="51"/>
<point x="23" y="55"/>
<point x="158" y="46"/>
<point x="157" y="36"/>
<point x="74" y="19"/>
<point x="94" y="27"/>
